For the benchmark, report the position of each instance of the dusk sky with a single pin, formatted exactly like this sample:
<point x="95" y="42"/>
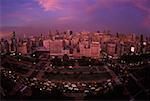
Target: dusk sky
<point x="38" y="16"/>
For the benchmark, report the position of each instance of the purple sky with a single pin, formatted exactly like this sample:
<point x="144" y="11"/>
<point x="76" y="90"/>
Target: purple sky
<point x="38" y="16"/>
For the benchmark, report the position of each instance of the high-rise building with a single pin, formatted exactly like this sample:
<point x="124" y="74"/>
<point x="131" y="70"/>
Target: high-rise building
<point x="96" y="37"/>
<point x="141" y="44"/>
<point x="23" y="48"/>
<point x="111" y="49"/>
<point x="54" y="46"/>
<point x="29" y="46"/>
<point x="92" y="51"/>
<point x="14" y="45"/>
<point x="95" y="49"/>
<point x="6" y="46"/>
<point x="2" y="46"/>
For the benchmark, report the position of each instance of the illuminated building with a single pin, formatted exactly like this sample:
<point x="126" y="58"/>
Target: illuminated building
<point x="95" y="49"/>
<point x="55" y="47"/>
<point x="111" y="49"/>
<point x="23" y="48"/>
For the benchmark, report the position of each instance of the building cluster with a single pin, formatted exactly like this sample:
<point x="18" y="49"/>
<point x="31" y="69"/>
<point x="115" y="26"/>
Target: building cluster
<point x="94" y="45"/>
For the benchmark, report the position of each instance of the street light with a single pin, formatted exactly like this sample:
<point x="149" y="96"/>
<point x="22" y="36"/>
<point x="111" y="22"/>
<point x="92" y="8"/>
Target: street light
<point x="33" y="55"/>
<point x="14" y="54"/>
<point x="89" y="60"/>
<point x="19" y="60"/>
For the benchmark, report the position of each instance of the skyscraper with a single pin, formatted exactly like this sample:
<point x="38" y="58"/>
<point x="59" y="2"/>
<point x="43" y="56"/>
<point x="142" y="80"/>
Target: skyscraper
<point x="141" y="44"/>
<point x="6" y="46"/>
<point x="13" y="42"/>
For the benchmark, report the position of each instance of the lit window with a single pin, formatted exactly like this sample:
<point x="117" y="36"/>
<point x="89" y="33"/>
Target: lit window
<point x="144" y="43"/>
<point x="132" y="49"/>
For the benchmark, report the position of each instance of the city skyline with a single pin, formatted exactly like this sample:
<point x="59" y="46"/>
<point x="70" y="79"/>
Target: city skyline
<point x="75" y="50"/>
<point x="38" y="16"/>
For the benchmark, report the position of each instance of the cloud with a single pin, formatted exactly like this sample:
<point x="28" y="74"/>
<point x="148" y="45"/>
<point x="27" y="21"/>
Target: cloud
<point x="20" y="15"/>
<point x="143" y="5"/>
<point x="85" y="6"/>
<point x="102" y="4"/>
<point x="109" y="3"/>
<point x="146" y="22"/>
<point x="65" y="18"/>
<point x="72" y="8"/>
<point x="79" y="13"/>
<point x="50" y="5"/>
<point x="28" y="6"/>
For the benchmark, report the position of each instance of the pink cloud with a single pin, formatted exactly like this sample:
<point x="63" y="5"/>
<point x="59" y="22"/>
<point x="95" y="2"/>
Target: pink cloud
<point x="107" y="4"/>
<point x="143" y="5"/>
<point x="73" y="5"/>
<point x="27" y="6"/>
<point x="20" y="15"/>
<point x="91" y="8"/>
<point x="146" y="22"/>
<point x="50" y="5"/>
<point x="65" y="18"/>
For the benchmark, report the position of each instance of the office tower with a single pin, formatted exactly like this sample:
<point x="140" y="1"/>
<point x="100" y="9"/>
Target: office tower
<point x="55" y="47"/>
<point x="111" y="48"/>
<point x="23" y="48"/>
<point x="2" y="46"/>
<point x="13" y="42"/>
<point x="95" y="49"/>
<point x="29" y="45"/>
<point x="141" y="43"/>
<point x="6" y="46"/>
